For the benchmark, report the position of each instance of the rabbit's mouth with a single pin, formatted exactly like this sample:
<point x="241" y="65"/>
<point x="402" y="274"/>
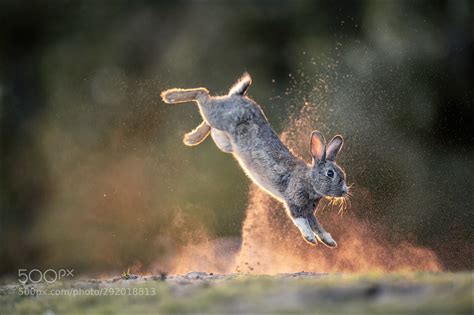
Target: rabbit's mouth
<point x="343" y="192"/>
<point x="339" y="193"/>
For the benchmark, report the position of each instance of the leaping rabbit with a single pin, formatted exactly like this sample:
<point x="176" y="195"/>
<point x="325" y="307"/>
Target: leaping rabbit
<point x="238" y="126"/>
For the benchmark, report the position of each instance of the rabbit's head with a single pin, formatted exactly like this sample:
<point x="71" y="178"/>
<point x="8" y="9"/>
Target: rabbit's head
<point x="328" y="179"/>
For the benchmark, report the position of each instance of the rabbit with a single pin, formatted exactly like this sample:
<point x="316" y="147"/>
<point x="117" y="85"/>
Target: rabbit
<point x="238" y="126"/>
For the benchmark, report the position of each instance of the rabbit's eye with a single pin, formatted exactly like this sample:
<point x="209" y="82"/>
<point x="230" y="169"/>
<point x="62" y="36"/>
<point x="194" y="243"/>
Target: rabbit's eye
<point x="330" y="173"/>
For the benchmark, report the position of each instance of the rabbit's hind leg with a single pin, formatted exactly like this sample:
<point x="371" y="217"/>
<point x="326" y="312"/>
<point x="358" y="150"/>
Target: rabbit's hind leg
<point x="174" y="96"/>
<point x="198" y="135"/>
<point x="222" y="140"/>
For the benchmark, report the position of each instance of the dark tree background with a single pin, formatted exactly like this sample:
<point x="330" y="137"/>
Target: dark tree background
<point x="93" y="173"/>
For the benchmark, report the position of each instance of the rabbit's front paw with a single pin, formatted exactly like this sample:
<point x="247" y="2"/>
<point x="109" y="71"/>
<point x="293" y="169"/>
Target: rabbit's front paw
<point x="305" y="230"/>
<point x="327" y="239"/>
<point x="310" y="239"/>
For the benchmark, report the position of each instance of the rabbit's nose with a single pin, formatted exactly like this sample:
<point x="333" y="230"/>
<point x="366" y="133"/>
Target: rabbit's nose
<point x="344" y="189"/>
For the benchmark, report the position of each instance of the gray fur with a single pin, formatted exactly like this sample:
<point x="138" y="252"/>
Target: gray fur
<point x="239" y="126"/>
<point x="198" y="135"/>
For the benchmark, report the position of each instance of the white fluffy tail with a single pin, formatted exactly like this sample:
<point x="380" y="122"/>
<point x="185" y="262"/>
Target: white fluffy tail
<point x="241" y="86"/>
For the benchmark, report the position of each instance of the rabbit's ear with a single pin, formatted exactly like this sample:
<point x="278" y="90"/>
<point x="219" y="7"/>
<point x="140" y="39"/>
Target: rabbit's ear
<point x="318" y="146"/>
<point x="333" y="148"/>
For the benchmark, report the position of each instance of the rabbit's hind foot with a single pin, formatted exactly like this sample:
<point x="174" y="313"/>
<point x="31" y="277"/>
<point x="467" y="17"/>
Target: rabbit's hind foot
<point x="174" y="96"/>
<point x="198" y="135"/>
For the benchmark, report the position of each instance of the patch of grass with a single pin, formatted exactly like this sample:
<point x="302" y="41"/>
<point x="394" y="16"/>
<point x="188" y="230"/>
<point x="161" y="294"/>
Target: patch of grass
<point x="414" y="293"/>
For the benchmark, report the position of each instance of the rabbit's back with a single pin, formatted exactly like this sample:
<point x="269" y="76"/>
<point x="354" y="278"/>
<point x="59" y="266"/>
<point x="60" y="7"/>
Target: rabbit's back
<point x="255" y="144"/>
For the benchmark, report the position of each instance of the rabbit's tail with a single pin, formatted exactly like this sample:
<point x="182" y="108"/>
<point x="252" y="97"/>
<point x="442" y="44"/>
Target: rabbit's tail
<point x="241" y="86"/>
<point x="198" y="135"/>
<point x="174" y="96"/>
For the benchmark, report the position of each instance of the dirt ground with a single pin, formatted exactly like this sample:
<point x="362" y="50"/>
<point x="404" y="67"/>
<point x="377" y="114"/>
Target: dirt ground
<point x="198" y="292"/>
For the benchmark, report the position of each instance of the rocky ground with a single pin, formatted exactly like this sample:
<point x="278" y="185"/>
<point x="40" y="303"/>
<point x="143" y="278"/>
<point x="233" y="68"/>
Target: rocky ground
<point x="196" y="292"/>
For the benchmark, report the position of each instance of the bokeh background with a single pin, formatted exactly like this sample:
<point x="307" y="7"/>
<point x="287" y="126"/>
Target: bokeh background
<point x="93" y="173"/>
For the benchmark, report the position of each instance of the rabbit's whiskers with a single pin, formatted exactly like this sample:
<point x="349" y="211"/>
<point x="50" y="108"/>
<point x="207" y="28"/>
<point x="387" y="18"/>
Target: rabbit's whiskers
<point x="340" y="203"/>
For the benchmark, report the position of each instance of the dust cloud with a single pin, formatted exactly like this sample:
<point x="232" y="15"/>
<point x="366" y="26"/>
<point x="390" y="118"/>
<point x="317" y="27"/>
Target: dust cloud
<point x="271" y="244"/>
